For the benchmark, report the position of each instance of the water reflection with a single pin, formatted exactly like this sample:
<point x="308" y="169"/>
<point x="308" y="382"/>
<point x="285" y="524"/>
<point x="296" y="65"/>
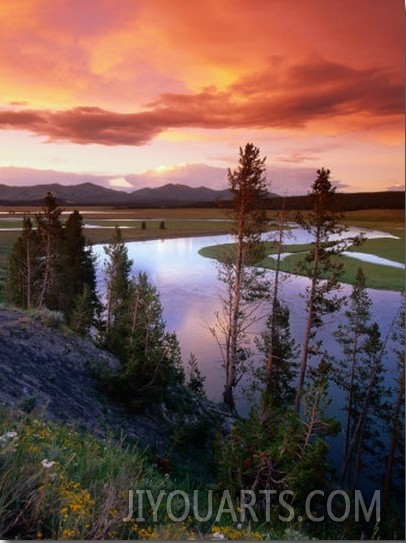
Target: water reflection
<point x="189" y="291"/>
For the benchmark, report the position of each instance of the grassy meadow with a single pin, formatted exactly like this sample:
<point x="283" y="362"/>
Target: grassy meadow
<point x="143" y="224"/>
<point x="100" y="221"/>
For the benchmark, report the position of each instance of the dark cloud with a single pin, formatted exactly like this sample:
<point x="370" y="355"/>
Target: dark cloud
<point x="276" y="98"/>
<point x="85" y="125"/>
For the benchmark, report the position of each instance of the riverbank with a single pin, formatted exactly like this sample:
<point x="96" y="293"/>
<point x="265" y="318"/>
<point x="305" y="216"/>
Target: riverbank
<point x="153" y="224"/>
<point x="381" y="255"/>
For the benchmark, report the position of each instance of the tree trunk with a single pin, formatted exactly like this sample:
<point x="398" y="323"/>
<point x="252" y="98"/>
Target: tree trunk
<point x="310" y="316"/>
<point x="47" y="272"/>
<point x="28" y="270"/>
<point x="232" y="344"/>
<point x="350" y="399"/>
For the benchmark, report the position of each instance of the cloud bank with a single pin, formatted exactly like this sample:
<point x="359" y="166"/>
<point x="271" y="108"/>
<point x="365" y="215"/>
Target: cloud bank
<point x="317" y="91"/>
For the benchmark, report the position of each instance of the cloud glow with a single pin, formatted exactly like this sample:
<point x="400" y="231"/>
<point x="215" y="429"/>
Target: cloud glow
<point x="114" y="89"/>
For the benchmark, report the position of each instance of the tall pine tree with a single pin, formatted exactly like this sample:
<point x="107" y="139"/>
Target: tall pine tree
<point x="49" y="228"/>
<point x="77" y="268"/>
<point x="244" y="284"/>
<point x="117" y="278"/>
<point x="321" y="266"/>
<point x="360" y="374"/>
<point x="23" y="268"/>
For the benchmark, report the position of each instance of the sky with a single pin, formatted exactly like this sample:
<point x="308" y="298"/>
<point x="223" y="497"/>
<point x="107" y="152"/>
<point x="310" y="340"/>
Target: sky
<point x="136" y="93"/>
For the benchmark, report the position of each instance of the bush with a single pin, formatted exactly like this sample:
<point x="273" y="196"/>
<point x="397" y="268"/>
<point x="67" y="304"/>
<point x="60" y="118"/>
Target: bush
<point x="51" y="319"/>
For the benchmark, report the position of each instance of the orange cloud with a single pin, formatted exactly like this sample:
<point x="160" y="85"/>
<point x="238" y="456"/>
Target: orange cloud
<point x="277" y="98"/>
<point x="110" y="54"/>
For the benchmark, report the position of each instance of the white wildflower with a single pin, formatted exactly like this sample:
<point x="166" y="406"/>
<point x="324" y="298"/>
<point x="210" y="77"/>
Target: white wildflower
<point x="46" y="464"/>
<point x="218" y="535"/>
<point x="7" y="436"/>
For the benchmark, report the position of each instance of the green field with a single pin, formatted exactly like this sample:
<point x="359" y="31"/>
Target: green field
<point x="199" y="222"/>
<point x="178" y="223"/>
<point x="377" y="276"/>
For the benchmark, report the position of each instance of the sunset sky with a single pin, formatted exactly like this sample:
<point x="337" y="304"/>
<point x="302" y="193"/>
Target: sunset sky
<point x="135" y="93"/>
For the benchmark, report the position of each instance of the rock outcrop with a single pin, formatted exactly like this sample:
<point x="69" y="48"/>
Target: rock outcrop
<point x="49" y="371"/>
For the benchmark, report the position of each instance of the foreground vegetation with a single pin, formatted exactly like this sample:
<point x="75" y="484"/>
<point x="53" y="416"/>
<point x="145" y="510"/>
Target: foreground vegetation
<point x="61" y="484"/>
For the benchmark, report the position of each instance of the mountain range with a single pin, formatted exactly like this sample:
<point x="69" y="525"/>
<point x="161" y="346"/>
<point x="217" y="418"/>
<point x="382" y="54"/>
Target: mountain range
<point x="92" y="194"/>
<point x="179" y="195"/>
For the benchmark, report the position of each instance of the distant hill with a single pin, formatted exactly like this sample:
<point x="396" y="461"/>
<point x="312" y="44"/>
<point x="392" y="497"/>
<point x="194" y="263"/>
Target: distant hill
<point x="347" y="201"/>
<point x="91" y="194"/>
<point x="85" y="193"/>
<point x="178" y="195"/>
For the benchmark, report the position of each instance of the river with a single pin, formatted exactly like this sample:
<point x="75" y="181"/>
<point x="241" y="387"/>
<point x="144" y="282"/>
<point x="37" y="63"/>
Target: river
<point x="189" y="290"/>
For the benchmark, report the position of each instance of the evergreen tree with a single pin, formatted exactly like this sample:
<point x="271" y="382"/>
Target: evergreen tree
<point x="369" y="409"/>
<point x="278" y="372"/>
<point x="282" y="451"/>
<point x="278" y="345"/>
<point x="244" y="284"/>
<point x="50" y="266"/>
<point x="117" y="272"/>
<point x="360" y="374"/>
<point x="316" y="403"/>
<point x="77" y="269"/>
<point x="23" y="267"/>
<point x="49" y="228"/>
<point x="322" y="266"/>
<point x="152" y="355"/>
<point x="395" y="458"/>
<point x="195" y="380"/>
<point x="352" y="335"/>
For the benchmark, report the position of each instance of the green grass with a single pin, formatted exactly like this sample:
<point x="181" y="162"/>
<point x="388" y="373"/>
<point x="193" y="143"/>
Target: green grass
<point x="173" y="228"/>
<point x="393" y="249"/>
<point x="59" y="483"/>
<point x="377" y="276"/>
<point x="193" y="222"/>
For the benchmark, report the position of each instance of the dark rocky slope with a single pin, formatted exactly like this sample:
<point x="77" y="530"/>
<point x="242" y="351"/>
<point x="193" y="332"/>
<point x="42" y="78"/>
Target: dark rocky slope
<point x="48" y="370"/>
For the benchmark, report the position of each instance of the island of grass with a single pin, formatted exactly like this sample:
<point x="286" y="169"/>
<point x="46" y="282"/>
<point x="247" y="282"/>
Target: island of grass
<point x="378" y="276"/>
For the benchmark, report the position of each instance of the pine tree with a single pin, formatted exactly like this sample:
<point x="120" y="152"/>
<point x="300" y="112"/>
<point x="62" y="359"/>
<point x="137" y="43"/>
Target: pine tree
<point x="244" y="284"/>
<point x="23" y="267"/>
<point x="196" y="379"/>
<point x="117" y="272"/>
<point x="82" y="315"/>
<point x="77" y="268"/>
<point x="352" y="335"/>
<point x="152" y="355"/>
<point x="395" y="459"/>
<point x="50" y="266"/>
<point x="49" y="227"/>
<point x="369" y="408"/>
<point x="321" y="266"/>
<point x="316" y="403"/>
<point x="278" y="372"/>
